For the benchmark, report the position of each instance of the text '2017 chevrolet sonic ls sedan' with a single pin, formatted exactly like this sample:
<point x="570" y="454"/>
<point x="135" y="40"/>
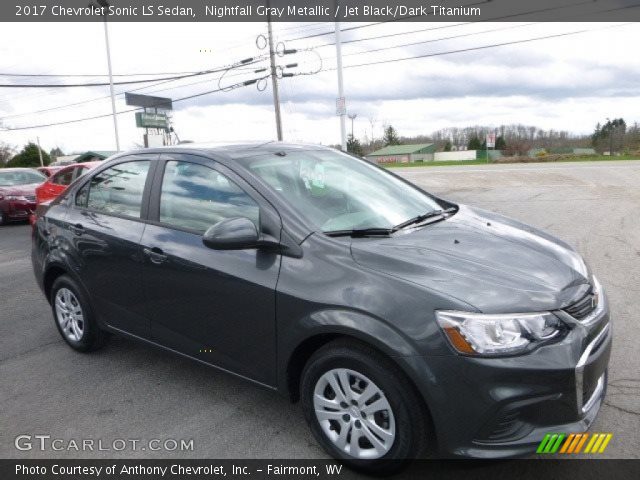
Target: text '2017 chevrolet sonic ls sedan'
<point x="397" y="318"/>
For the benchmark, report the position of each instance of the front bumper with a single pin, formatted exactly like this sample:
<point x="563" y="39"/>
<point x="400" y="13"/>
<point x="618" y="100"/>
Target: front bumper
<point x="19" y="210"/>
<point x="503" y="407"/>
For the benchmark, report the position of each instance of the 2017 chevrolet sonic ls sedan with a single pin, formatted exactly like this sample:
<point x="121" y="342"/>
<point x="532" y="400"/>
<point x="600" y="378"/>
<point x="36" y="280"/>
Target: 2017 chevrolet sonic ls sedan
<point x="397" y="318"/>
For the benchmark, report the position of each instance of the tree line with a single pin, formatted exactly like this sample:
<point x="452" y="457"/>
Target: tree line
<point x="513" y="140"/>
<point x="28" y="157"/>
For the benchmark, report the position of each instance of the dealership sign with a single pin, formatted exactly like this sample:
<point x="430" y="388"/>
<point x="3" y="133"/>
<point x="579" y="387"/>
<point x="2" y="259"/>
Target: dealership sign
<point x="151" y="120"/>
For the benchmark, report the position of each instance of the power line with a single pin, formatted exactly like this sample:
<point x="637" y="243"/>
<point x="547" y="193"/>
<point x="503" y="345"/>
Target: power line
<point x="457" y="36"/>
<point x="371" y="25"/>
<point x="440" y="39"/>
<point x="483" y="47"/>
<point x="247" y="61"/>
<point x="83" y="102"/>
<point x="466" y="34"/>
<point x="95" y="117"/>
<point x="410" y="32"/>
<point x="81" y="75"/>
<point x="245" y="83"/>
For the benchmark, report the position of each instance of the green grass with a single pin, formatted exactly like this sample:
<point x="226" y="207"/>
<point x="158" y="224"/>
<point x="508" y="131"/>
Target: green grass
<point x="585" y="158"/>
<point x="434" y="163"/>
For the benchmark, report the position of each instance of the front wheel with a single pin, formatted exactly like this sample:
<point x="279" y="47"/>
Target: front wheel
<point x="361" y="408"/>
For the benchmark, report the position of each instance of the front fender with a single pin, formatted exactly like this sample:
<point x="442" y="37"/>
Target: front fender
<point x="320" y="326"/>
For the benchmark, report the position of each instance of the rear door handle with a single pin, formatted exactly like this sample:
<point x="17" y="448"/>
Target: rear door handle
<point x="155" y="254"/>
<point x="77" y="229"/>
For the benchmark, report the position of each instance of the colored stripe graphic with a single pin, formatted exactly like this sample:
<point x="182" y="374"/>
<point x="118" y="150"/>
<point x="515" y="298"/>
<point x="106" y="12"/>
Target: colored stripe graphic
<point x="543" y="443"/>
<point x="567" y="442"/>
<point x="594" y="437"/>
<point x="550" y="443"/>
<point x="582" y="440"/>
<point x="573" y="443"/>
<point x="556" y="446"/>
<point x="605" y="442"/>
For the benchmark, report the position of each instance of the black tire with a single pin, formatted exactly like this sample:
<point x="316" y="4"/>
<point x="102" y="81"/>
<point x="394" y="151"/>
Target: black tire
<point x="3" y="219"/>
<point x="411" y="419"/>
<point x="92" y="337"/>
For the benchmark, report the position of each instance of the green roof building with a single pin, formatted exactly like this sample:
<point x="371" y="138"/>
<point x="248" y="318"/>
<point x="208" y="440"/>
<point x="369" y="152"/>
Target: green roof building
<point x="92" y="156"/>
<point x="421" y="152"/>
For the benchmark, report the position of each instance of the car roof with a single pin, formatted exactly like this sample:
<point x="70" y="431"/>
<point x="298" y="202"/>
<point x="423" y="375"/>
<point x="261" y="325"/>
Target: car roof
<point x="235" y="149"/>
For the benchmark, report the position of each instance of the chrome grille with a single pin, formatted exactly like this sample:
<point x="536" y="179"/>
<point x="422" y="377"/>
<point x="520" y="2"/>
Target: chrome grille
<point x="31" y="198"/>
<point x="583" y="307"/>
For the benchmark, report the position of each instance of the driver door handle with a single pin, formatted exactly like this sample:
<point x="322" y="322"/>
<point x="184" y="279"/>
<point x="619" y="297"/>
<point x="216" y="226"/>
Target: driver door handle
<point x="155" y="254"/>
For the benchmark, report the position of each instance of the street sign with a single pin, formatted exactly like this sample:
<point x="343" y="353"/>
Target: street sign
<point x="151" y="120"/>
<point x="491" y="140"/>
<point x="147" y="101"/>
<point x="341" y="106"/>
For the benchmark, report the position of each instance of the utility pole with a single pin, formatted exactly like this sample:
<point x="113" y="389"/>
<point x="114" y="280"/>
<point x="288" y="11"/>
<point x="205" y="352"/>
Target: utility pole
<point x="352" y="116"/>
<point x="372" y="122"/>
<point x="274" y="80"/>
<point x="39" y="151"/>
<point x="341" y="100"/>
<point x="104" y="5"/>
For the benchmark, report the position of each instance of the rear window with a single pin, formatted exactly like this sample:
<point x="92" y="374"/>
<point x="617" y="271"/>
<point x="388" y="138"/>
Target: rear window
<point x="63" y="178"/>
<point x="20" y="177"/>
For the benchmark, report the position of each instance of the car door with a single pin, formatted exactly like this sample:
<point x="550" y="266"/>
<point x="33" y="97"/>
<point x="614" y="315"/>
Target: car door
<point x="217" y="306"/>
<point x="57" y="183"/>
<point x="105" y="226"/>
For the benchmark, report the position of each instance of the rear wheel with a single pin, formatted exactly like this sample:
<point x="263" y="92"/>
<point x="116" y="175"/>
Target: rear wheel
<point x="3" y="218"/>
<point x="74" y="317"/>
<point x="361" y="408"/>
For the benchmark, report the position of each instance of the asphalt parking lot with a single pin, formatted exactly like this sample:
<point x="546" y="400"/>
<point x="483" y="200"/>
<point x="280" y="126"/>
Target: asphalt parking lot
<point x="128" y="390"/>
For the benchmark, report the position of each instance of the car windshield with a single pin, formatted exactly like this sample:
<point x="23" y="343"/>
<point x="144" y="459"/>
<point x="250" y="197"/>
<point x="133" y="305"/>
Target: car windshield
<point x="20" y="177"/>
<point x="336" y="192"/>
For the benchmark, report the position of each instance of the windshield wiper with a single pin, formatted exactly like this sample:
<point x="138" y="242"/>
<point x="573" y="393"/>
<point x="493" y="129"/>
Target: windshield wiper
<point x="423" y="217"/>
<point x="360" y="232"/>
<point x="379" y="231"/>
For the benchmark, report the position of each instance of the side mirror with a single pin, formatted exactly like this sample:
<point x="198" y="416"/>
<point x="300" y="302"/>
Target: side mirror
<point x="236" y="233"/>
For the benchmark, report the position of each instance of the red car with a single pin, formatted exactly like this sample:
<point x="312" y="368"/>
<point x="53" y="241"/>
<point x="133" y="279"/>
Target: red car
<point x="18" y="193"/>
<point x="59" y="181"/>
<point x="48" y="171"/>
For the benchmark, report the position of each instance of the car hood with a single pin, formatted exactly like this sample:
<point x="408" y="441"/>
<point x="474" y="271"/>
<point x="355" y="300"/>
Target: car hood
<point x="19" y="189"/>
<point x="488" y="261"/>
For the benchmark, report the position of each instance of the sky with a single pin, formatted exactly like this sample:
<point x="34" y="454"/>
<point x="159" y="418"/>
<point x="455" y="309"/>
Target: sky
<point x="563" y="83"/>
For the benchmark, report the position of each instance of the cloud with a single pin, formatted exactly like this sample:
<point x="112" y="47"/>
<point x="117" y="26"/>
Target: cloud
<point x="563" y="83"/>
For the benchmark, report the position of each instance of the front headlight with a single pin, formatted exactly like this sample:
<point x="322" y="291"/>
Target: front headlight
<point x="497" y="334"/>
<point x="20" y="198"/>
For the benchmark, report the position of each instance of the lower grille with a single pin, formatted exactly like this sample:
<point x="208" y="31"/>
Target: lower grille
<point x="506" y="426"/>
